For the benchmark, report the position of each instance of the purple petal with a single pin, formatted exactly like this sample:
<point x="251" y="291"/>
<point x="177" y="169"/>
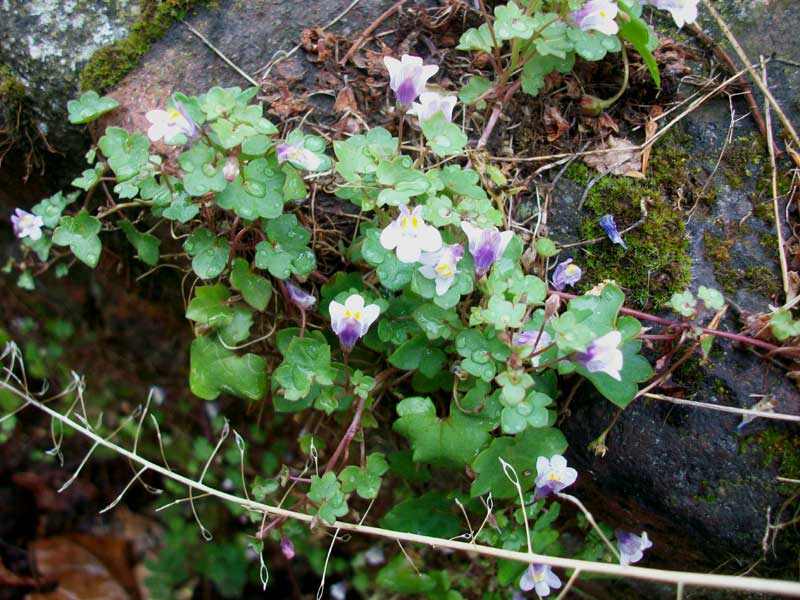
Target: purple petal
<point x="406" y="92"/>
<point x="349" y="332"/>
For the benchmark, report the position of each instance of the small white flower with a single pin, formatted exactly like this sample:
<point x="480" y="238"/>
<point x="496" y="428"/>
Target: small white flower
<point x="541" y="578"/>
<point x="351" y="320"/>
<point x="411" y="235"/>
<point x="431" y="103"/>
<point x="441" y="266"/>
<point x="597" y="15"/>
<point x="631" y="547"/>
<point x="374" y="556"/>
<point x="26" y="225"/>
<point x="298" y="156"/>
<point x="339" y="591"/>
<point x="603" y="355"/>
<point x="408" y="76"/>
<point x="167" y="124"/>
<point x="682" y="11"/>
<point x="553" y="475"/>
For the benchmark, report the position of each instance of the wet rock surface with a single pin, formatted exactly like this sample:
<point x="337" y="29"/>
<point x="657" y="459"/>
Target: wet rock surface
<point x="688" y="475"/>
<point x="45" y="43"/>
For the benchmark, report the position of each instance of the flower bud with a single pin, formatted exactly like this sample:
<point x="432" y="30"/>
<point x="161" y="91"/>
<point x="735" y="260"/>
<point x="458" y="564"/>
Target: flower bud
<point x="591" y="106"/>
<point x="287" y="547"/>
<point x="231" y="168"/>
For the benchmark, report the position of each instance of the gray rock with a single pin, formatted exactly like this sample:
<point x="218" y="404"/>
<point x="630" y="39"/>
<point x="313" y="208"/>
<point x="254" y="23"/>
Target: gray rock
<point x="45" y="43"/>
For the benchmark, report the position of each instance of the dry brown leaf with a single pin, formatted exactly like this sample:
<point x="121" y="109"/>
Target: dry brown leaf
<point x="623" y="158"/>
<point x="555" y="124"/>
<point x="78" y="572"/>
<point x="43" y="487"/>
<point x="345" y="101"/>
<point x="288" y="106"/>
<point x="608" y="123"/>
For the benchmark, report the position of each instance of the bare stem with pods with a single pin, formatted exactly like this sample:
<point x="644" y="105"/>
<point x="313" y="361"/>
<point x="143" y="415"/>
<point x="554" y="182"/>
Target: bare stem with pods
<point x="681" y="579"/>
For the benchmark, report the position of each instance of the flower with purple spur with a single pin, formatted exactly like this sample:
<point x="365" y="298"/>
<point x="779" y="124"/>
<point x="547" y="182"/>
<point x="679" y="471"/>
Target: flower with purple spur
<point x="168" y="124"/>
<point x="610" y="227"/>
<point x="535" y="340"/>
<point x="298" y="156"/>
<point x="441" y="266"/>
<point x="553" y="475"/>
<point x="540" y="578"/>
<point x="351" y="320"/>
<point x="485" y="245"/>
<point x="431" y="103"/>
<point x="682" y="11"/>
<point x="410" y="235"/>
<point x="27" y="225"/>
<point x="299" y="297"/>
<point x="408" y="76"/>
<point x="566" y="273"/>
<point x="597" y="15"/>
<point x="603" y="355"/>
<point x="631" y="547"/>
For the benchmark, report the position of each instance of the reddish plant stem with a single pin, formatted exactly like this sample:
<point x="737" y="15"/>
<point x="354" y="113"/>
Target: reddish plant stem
<point x="368" y="31"/>
<point x="349" y="434"/>
<point x="736" y="337"/>
<point x="496" y="111"/>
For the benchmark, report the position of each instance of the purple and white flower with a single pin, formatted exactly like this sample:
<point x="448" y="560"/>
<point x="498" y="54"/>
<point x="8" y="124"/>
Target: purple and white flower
<point x="410" y="235"/>
<point x="631" y="547"/>
<point x="339" y="591"/>
<point x="168" y="124"/>
<point x="298" y="156"/>
<point x="597" y="15"/>
<point x="408" y="76"/>
<point x="566" y="273"/>
<point x="540" y="578"/>
<point x="299" y="297"/>
<point x="682" y="11"/>
<point x="374" y="556"/>
<point x="287" y="548"/>
<point x="553" y="475"/>
<point x="27" y="225"/>
<point x="610" y="227"/>
<point x="485" y="245"/>
<point x="431" y="103"/>
<point x="535" y="340"/>
<point x="441" y="266"/>
<point x="351" y="320"/>
<point x="603" y="355"/>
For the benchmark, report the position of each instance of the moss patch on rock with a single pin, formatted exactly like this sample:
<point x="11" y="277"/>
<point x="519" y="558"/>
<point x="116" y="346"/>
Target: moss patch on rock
<point x="110" y="64"/>
<point x="657" y="261"/>
<point x="731" y="275"/>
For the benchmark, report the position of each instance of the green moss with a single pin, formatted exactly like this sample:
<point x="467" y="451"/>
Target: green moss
<point x="744" y="159"/>
<point x="779" y="448"/>
<point x="13" y="99"/>
<point x="110" y="64"/>
<point x="769" y="243"/>
<point x="761" y="279"/>
<point x="656" y="263"/>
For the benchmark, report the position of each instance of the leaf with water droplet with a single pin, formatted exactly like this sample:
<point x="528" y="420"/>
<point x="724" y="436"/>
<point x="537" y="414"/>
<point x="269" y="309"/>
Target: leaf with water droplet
<point x="80" y="234"/>
<point x="209" y="253"/>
